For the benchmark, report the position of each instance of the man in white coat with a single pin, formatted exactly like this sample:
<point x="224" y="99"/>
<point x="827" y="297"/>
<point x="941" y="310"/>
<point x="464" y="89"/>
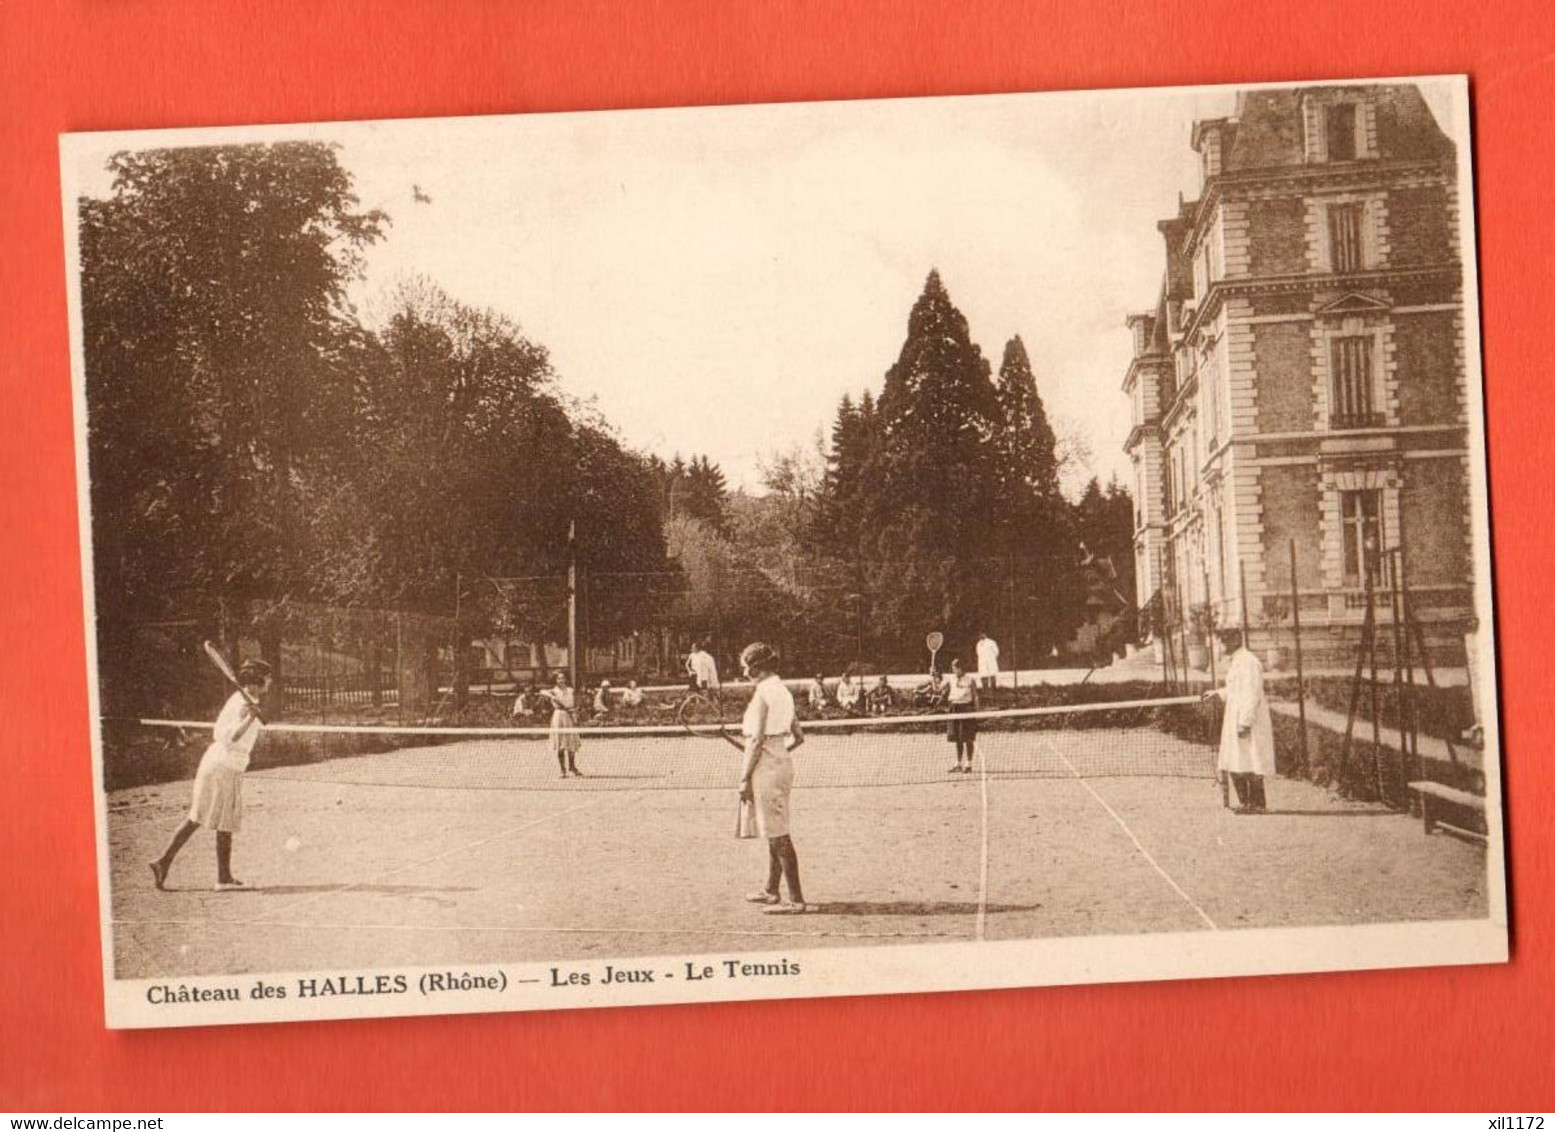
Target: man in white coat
<point x="987" y="660"/>
<point x="1247" y="732"/>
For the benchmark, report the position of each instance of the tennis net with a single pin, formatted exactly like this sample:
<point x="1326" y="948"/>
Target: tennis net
<point x="1168" y="738"/>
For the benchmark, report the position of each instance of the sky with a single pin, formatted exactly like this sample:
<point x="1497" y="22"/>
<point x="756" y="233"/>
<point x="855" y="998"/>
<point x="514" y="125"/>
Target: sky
<point x="713" y="280"/>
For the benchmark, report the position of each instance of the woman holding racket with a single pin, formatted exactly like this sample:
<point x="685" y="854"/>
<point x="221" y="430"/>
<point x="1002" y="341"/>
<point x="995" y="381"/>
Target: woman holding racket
<point x="961" y="696"/>
<point x="771" y="733"/>
<point x="564" y="725"/>
<point x="218" y="784"/>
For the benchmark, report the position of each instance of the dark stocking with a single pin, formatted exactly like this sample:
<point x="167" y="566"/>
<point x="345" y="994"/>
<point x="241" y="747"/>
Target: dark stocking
<point x="223" y="857"/>
<point x="185" y="832"/>
<point x="785" y="847"/>
<point x="774" y="865"/>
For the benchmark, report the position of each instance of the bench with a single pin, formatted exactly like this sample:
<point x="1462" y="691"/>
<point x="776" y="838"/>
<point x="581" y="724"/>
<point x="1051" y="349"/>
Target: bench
<point x="1433" y="795"/>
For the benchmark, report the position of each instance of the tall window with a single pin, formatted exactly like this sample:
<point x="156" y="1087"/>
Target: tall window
<point x="1344" y="237"/>
<point x="1352" y="404"/>
<point x="1361" y="511"/>
<point x="1341" y="132"/>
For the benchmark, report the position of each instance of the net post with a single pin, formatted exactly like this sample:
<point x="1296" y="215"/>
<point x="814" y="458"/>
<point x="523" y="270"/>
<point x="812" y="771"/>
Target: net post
<point x="572" y="602"/>
<point x="1009" y="577"/>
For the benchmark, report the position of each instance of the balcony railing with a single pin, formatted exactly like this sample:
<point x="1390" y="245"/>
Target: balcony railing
<point x="1357" y="420"/>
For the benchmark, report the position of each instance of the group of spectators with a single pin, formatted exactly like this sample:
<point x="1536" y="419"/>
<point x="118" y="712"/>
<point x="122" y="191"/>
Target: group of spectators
<point x="853" y="695"/>
<point x="858" y="696"/>
<point x="605" y="700"/>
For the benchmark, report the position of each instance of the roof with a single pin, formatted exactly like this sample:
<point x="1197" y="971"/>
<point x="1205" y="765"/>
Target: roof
<point x="1268" y="127"/>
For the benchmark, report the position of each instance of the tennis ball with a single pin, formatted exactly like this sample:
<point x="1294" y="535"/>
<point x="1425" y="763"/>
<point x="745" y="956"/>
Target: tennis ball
<point x="293" y="844"/>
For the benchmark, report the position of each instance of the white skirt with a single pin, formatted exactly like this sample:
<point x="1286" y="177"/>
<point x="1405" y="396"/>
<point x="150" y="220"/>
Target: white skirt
<point x="771" y="782"/>
<point x="564" y="739"/>
<point x="218" y="791"/>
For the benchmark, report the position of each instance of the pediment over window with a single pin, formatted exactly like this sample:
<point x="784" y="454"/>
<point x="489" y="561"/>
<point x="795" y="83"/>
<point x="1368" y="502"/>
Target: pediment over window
<point x="1353" y="304"/>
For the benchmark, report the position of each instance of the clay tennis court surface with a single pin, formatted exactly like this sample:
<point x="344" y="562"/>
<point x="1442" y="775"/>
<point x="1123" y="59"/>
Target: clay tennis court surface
<point x="437" y="856"/>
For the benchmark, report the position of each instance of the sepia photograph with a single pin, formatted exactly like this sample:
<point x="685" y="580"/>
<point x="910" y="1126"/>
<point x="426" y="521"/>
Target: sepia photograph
<point x="679" y="555"/>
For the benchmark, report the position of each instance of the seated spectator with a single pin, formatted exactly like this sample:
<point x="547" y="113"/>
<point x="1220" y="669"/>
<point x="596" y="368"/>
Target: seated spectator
<point x="930" y="694"/>
<point x="523" y="703"/>
<point x="631" y="695"/>
<point x="880" y="698"/>
<point x="817" y="693"/>
<point x="849" y="693"/>
<point x="602" y="698"/>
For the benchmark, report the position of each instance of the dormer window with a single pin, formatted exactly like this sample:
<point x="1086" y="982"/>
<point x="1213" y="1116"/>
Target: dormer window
<point x="1341" y="132"/>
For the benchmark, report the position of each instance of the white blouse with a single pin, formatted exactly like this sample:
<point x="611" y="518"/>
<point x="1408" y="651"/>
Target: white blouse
<point x="960" y="689"/>
<point x="780" y="708"/>
<point x="238" y="747"/>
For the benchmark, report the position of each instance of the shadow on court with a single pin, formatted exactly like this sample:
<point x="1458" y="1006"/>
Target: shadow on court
<point x="344" y="887"/>
<point x="916" y="908"/>
<point x="1321" y="814"/>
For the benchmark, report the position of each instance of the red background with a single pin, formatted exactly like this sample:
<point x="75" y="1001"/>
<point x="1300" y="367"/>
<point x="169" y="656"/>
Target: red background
<point x="1467" y="1038"/>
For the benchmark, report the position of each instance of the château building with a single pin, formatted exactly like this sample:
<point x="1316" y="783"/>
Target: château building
<point x="1301" y="378"/>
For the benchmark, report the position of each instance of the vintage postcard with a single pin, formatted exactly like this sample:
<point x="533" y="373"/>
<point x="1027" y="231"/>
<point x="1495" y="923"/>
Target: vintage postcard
<point x="823" y="549"/>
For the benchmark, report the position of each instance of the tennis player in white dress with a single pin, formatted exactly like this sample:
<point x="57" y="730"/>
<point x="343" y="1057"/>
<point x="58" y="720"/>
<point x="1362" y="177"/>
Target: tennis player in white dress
<point x="771" y="730"/>
<point x="565" y="740"/>
<point x="218" y="784"/>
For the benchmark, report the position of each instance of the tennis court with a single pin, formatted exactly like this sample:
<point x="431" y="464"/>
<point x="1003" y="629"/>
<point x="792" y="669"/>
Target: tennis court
<point x="470" y="848"/>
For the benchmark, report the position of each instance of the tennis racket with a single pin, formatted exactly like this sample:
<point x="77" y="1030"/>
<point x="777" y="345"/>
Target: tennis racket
<point x="745" y="820"/>
<point x="214" y="655"/>
<point x="701" y="716"/>
<point x="933" y="642"/>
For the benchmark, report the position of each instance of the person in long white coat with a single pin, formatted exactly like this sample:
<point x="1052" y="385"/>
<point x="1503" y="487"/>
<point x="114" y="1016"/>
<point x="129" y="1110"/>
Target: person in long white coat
<point x="1247" y="731"/>
<point x="987" y="660"/>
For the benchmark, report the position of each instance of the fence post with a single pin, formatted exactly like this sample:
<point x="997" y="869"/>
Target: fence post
<point x="1241" y="578"/>
<point x="1406" y="706"/>
<point x="1376" y="721"/>
<point x="1301" y="679"/>
<point x="1209" y="645"/>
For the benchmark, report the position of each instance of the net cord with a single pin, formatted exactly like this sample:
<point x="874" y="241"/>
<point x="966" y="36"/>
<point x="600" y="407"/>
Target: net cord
<point x="543" y="731"/>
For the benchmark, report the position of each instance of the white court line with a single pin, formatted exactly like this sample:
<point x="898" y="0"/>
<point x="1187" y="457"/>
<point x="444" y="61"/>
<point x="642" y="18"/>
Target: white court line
<point x="607" y="797"/>
<point x="539" y="930"/>
<point x="1143" y="852"/>
<point x="982" y="869"/>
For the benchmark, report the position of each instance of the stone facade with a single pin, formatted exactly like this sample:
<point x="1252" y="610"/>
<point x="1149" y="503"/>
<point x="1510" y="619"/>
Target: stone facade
<point x="1301" y="378"/>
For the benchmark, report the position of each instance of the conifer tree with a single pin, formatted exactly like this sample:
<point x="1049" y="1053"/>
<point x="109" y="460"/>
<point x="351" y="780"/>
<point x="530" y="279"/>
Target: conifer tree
<point x="939" y="420"/>
<point x="1028" y="446"/>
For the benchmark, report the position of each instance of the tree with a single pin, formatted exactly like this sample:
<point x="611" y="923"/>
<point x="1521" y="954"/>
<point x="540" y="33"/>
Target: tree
<point x="695" y="489"/>
<point x="1046" y="584"/>
<point x="1027" y="447"/>
<point x="935" y="493"/>
<point x="473" y="468"/>
<point x="938" y="429"/>
<point x="941" y="504"/>
<point x="215" y="325"/>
